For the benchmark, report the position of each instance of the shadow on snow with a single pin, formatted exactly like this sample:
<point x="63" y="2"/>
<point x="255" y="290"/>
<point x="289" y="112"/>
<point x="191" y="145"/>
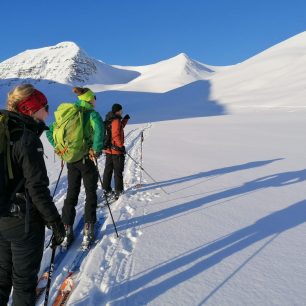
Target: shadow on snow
<point x="209" y="174"/>
<point x="209" y="255"/>
<point x="189" y="101"/>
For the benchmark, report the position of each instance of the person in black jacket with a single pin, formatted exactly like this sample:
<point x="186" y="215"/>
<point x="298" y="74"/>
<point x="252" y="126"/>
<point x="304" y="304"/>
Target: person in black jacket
<point x="22" y="226"/>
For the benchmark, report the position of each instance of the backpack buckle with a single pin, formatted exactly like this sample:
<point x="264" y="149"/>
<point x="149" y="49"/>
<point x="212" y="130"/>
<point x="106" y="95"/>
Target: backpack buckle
<point x="16" y="209"/>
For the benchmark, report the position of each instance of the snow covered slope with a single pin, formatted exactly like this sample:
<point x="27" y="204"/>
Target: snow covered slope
<point x="224" y="223"/>
<point x="172" y="89"/>
<point x="274" y="79"/>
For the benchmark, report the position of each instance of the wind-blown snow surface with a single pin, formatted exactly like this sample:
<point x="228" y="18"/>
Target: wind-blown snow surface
<point x="229" y="228"/>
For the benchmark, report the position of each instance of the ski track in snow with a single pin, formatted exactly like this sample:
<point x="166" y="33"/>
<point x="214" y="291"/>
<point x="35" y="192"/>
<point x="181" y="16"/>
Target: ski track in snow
<point x="110" y="261"/>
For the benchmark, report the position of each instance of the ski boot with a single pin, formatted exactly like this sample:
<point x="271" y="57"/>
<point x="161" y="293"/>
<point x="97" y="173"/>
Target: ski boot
<point x="117" y="195"/>
<point x="109" y="195"/>
<point x="68" y="238"/>
<point x="88" y="235"/>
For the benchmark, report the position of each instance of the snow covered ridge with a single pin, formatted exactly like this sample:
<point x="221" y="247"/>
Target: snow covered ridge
<point x="179" y="87"/>
<point x="165" y="75"/>
<point x="63" y="63"/>
<point x="66" y="63"/>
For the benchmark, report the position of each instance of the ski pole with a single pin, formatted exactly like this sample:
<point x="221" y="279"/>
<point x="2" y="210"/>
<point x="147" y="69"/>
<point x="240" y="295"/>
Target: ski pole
<point x="51" y="270"/>
<point x="62" y="167"/>
<point x="140" y="176"/>
<point x="146" y="172"/>
<point x="107" y="203"/>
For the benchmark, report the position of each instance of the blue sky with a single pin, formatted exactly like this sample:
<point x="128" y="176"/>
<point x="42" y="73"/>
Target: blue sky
<point x="137" y="32"/>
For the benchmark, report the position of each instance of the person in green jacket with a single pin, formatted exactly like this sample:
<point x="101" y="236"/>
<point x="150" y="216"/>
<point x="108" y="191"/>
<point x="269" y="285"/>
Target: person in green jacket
<point x="83" y="169"/>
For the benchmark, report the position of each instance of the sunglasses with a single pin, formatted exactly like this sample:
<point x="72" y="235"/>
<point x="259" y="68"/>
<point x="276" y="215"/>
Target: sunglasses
<point x="46" y="107"/>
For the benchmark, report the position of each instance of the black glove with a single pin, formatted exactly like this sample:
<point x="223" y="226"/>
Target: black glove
<point x="127" y="117"/>
<point x="98" y="154"/>
<point x="59" y="232"/>
<point x="122" y="149"/>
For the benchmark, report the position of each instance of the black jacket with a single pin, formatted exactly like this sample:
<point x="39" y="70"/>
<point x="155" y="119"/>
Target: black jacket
<point x="28" y="163"/>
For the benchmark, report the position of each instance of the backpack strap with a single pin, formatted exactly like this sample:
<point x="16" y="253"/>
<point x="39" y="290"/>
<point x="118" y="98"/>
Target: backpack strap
<point x="8" y="150"/>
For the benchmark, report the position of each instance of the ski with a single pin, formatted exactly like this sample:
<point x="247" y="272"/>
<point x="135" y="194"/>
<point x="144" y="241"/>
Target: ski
<point x="71" y="280"/>
<point x="65" y="290"/>
<point x="61" y="254"/>
<point x="41" y="284"/>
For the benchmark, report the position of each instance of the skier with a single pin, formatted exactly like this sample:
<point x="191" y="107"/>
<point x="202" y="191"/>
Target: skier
<point x="26" y="204"/>
<point x="85" y="168"/>
<point x="115" y="151"/>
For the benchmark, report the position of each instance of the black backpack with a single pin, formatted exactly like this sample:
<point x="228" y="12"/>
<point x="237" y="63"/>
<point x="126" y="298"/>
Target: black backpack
<point x="6" y="172"/>
<point x="107" y="134"/>
<point x="7" y="200"/>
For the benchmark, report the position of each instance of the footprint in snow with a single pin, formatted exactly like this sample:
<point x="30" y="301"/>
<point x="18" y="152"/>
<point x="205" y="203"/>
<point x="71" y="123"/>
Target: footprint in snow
<point x="128" y="244"/>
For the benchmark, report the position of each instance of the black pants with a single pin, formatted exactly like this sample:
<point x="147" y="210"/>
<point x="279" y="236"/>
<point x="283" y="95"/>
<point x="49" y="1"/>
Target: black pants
<point x="114" y="163"/>
<point x="20" y="257"/>
<point x="76" y="172"/>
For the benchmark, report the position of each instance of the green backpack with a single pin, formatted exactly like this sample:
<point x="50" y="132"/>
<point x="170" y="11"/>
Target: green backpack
<point x="69" y="132"/>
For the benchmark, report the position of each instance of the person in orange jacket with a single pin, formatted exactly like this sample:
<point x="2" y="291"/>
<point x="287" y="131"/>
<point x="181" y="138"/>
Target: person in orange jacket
<point x="115" y="151"/>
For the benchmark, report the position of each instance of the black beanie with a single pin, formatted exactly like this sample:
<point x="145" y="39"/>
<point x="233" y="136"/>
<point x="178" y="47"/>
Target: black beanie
<point x="116" y="108"/>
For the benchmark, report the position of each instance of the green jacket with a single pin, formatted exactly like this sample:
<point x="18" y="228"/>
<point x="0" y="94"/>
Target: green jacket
<point x="94" y="131"/>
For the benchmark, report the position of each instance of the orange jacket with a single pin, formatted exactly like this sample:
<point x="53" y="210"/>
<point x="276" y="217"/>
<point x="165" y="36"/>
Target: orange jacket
<point x="118" y="125"/>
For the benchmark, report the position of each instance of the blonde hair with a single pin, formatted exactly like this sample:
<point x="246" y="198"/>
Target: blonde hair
<point x="79" y="90"/>
<point x="18" y="94"/>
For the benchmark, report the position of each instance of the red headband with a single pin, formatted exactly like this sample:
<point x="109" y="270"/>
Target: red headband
<point x="33" y="103"/>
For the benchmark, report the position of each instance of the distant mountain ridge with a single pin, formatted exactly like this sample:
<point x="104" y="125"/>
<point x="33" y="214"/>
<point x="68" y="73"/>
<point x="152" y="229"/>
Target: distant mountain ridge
<point x="64" y="63"/>
<point x="177" y="87"/>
